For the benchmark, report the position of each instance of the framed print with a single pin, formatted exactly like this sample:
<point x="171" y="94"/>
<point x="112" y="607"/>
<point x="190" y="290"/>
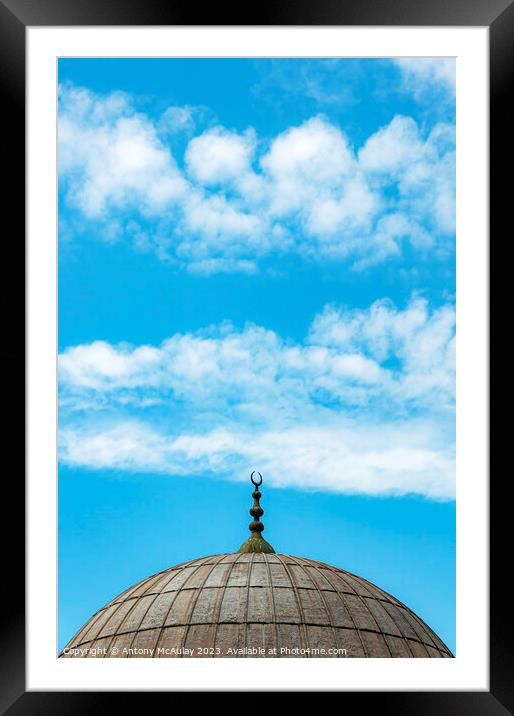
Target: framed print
<point x="258" y="284"/>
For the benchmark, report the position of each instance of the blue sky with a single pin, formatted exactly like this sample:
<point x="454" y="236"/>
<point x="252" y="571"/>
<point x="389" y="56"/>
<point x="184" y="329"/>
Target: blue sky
<point x="257" y="271"/>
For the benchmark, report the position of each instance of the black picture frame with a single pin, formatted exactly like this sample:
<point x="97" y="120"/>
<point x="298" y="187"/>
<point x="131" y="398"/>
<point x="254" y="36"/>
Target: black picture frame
<point x="15" y="17"/>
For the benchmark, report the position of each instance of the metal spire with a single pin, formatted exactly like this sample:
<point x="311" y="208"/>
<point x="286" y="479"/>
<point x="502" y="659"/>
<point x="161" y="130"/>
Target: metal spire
<point x="256" y="543"/>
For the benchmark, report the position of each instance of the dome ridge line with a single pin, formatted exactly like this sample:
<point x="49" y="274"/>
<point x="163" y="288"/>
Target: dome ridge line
<point x="196" y="597"/>
<point x="302" y="626"/>
<point x="221" y="597"/>
<point x="321" y="596"/>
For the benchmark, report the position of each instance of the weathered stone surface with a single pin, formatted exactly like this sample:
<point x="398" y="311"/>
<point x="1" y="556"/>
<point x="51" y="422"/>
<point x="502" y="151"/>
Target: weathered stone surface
<point x="255" y="605"/>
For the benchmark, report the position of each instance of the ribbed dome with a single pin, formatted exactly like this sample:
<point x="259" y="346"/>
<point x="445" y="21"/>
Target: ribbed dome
<point x="234" y="605"/>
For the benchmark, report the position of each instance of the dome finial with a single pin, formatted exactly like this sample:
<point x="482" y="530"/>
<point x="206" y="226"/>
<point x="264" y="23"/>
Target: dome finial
<point x="256" y="543"/>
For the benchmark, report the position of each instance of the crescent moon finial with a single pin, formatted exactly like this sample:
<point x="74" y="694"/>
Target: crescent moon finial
<point x="256" y="543"/>
<point x="257" y="484"/>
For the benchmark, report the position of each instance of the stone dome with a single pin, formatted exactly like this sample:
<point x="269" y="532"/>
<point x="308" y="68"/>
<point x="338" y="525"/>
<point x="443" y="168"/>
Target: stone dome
<point x="255" y="603"/>
<point x="252" y="604"/>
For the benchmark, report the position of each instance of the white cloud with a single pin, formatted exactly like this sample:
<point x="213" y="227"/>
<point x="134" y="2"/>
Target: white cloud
<point x="424" y="74"/>
<point x="217" y="220"/>
<point x="346" y="358"/>
<point x="99" y="365"/>
<point x="393" y="147"/>
<point x="177" y="119"/>
<point x="316" y="151"/>
<point x="422" y="170"/>
<point x="111" y="157"/>
<point x="390" y="459"/>
<point x="207" y="267"/>
<point x="236" y="202"/>
<point x="232" y="397"/>
<point x="219" y="156"/>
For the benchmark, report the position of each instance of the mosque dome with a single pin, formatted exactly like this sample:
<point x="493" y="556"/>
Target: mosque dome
<point x="255" y="603"/>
